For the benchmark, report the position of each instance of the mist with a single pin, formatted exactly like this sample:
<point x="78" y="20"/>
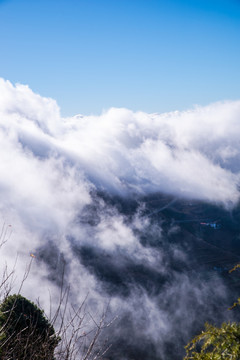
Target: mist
<point x="110" y="196"/>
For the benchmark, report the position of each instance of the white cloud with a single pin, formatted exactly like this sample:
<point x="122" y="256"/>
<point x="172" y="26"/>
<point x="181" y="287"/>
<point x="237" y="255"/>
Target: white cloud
<point x="191" y="153"/>
<point x="51" y="166"/>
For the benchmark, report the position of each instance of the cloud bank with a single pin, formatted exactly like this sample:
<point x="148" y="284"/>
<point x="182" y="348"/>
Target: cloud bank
<point x="56" y="178"/>
<point x="191" y="154"/>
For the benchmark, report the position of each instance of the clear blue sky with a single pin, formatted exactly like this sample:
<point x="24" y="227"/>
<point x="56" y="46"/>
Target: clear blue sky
<point x="148" y="55"/>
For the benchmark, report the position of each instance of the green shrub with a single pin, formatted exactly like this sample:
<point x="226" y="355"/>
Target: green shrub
<point x="25" y="333"/>
<point x="216" y="343"/>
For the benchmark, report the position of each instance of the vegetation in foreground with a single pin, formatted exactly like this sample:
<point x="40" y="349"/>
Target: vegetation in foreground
<point x="216" y="343"/>
<point x="27" y="334"/>
<point x="25" y="331"/>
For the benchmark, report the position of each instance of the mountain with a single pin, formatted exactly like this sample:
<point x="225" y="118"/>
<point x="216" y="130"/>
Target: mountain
<point x="171" y="279"/>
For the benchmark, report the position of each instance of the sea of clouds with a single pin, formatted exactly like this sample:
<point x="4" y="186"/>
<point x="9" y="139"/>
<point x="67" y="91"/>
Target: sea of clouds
<point x="52" y="170"/>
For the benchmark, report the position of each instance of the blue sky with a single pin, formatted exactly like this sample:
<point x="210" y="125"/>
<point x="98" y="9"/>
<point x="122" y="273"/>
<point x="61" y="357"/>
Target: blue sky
<point x="147" y="55"/>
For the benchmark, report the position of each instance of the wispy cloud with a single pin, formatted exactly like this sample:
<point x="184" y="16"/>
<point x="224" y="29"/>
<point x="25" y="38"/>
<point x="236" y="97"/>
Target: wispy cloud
<point x="51" y="172"/>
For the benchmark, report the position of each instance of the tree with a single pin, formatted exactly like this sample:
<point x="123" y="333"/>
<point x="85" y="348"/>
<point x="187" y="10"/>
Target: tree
<point x="216" y="343"/>
<point x="25" y="333"/>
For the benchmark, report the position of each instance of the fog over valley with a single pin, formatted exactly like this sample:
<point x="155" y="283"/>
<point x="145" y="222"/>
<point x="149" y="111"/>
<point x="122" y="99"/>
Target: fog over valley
<point x="140" y="210"/>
